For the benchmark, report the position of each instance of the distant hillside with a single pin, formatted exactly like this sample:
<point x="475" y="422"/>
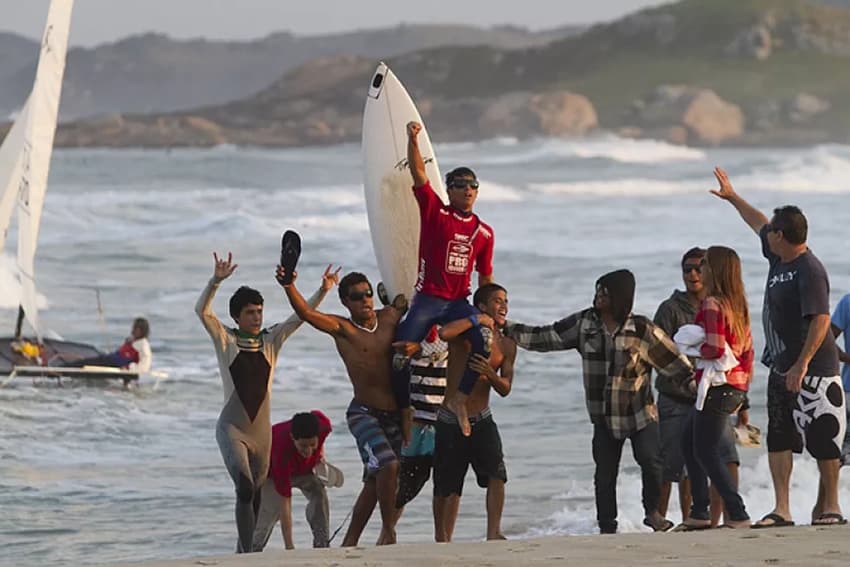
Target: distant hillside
<point x="153" y="73"/>
<point x="697" y="72"/>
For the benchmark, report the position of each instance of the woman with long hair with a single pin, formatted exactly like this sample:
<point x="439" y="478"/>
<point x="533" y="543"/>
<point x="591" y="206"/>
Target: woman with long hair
<point x="725" y="318"/>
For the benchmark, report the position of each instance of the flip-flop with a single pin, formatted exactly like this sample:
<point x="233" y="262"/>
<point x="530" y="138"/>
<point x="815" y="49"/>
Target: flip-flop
<point x="664" y="526"/>
<point x="776" y="521"/>
<point x="824" y="519"/>
<point x="382" y="294"/>
<point x="290" y="251"/>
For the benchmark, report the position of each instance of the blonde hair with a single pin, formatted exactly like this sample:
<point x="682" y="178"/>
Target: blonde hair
<point x="727" y="286"/>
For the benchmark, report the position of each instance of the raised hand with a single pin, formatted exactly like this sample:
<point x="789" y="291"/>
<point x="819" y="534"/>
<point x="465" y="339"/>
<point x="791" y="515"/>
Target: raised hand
<point x="725" y="191"/>
<point x="330" y="278"/>
<point x="223" y="268"/>
<point x="413" y="129"/>
<point x="280" y="273"/>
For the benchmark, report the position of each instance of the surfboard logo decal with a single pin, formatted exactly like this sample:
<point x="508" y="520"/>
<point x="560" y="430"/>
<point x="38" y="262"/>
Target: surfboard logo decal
<point x="403" y="164"/>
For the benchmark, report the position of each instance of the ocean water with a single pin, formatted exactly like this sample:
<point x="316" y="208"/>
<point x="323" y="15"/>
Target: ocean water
<point x="94" y="475"/>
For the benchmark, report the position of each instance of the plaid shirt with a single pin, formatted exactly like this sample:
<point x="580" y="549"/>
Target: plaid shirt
<point x="616" y="368"/>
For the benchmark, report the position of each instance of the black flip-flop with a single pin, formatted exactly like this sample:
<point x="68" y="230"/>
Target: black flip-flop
<point x="822" y="520"/>
<point x="664" y="526"/>
<point x="776" y="520"/>
<point x="290" y="251"/>
<point x="690" y="528"/>
<point x="382" y="294"/>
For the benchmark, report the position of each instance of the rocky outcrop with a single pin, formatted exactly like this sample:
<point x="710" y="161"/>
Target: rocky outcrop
<point x="798" y="111"/>
<point x="557" y="114"/>
<point x="754" y="43"/>
<point x="685" y="114"/>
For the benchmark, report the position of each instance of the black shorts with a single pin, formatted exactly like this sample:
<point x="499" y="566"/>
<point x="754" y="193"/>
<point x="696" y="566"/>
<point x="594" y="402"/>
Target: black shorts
<point x="454" y="453"/>
<point x="782" y="434"/>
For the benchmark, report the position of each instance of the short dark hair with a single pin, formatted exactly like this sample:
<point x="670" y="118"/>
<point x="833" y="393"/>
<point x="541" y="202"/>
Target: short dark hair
<point x="242" y="297"/>
<point x="485" y="292"/>
<point x="142" y="324"/>
<point x="459" y="172"/>
<point x="351" y="279"/>
<point x="792" y="222"/>
<point x="620" y="285"/>
<point x="304" y="426"/>
<point x="695" y="252"/>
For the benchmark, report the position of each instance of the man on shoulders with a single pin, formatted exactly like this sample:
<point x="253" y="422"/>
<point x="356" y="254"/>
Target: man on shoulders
<point x="452" y="242"/>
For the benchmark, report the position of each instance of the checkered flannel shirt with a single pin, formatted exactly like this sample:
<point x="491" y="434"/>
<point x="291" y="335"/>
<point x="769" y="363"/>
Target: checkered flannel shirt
<point x="616" y="368"/>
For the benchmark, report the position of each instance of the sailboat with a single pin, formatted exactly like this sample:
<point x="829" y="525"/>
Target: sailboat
<point x="24" y="166"/>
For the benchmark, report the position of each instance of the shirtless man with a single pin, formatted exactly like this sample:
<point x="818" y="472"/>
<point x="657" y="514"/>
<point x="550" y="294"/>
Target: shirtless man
<point x="364" y="342"/>
<point x="246" y="357"/>
<point x="482" y="449"/>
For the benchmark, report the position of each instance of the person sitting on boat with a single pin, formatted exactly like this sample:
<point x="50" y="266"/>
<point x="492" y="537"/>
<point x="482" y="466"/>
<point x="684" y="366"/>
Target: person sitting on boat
<point x="133" y="355"/>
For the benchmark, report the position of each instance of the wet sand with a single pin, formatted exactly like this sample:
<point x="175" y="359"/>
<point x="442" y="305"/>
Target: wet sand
<point x="800" y="546"/>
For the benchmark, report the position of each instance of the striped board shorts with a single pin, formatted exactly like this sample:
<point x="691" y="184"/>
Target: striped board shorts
<point x="378" y="436"/>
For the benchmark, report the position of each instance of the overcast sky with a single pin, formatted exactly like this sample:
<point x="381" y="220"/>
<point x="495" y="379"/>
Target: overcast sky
<point x="98" y="21"/>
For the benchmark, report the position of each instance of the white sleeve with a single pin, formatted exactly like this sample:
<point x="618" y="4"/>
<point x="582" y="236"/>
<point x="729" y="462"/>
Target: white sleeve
<point x="281" y="331"/>
<point x="143" y="347"/>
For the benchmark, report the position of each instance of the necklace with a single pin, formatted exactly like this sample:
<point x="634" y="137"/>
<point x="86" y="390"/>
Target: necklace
<point x="368" y="330"/>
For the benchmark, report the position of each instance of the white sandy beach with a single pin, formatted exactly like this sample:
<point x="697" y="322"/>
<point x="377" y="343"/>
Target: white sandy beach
<point x="804" y="546"/>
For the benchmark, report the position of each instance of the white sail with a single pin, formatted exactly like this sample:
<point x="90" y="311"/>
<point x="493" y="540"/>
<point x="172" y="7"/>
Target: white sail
<point x="10" y="175"/>
<point x="37" y="147"/>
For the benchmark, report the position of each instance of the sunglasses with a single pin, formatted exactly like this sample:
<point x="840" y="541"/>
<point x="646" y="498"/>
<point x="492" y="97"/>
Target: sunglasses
<point x="464" y="183"/>
<point x="360" y="295"/>
<point x="688" y="268"/>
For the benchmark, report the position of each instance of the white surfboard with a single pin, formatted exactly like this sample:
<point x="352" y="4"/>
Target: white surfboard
<point x="390" y="205"/>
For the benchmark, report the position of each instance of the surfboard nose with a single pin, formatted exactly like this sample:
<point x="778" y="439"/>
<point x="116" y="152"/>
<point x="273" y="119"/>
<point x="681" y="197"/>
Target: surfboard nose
<point x="378" y="80"/>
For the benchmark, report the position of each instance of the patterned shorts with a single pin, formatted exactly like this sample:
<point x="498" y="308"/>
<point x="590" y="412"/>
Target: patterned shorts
<point x="378" y="436"/>
<point x="819" y="416"/>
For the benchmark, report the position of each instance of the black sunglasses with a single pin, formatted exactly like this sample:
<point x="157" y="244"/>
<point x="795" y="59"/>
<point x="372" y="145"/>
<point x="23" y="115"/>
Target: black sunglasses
<point x="463" y="183"/>
<point x="688" y="268"/>
<point x="360" y="295"/>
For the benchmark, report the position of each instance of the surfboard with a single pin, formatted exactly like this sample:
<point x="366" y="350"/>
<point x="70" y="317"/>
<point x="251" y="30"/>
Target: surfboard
<point x="390" y="205"/>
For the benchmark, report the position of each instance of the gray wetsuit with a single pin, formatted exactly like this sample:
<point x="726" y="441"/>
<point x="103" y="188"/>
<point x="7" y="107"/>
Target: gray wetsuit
<point x="244" y="429"/>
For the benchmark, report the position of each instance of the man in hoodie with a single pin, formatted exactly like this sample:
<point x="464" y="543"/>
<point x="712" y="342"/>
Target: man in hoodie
<point x="618" y="351"/>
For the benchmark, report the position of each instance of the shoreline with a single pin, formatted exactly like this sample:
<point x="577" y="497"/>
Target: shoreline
<point x="803" y="546"/>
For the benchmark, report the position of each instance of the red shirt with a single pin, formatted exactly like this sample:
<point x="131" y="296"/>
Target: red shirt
<point x="450" y="244"/>
<point x="719" y="337"/>
<point x="286" y="461"/>
<point x="128" y="351"/>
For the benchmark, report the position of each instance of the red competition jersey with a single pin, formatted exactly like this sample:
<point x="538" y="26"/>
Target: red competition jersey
<point x="449" y="245"/>
<point x="286" y="461"/>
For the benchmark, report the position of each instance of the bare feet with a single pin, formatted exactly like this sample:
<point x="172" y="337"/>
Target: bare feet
<point x="496" y="537"/>
<point x="457" y="405"/>
<point x="387" y="537"/>
<point x="738" y="524"/>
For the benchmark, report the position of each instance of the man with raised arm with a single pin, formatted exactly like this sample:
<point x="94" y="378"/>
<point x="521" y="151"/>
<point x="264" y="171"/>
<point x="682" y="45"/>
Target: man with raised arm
<point x="452" y="242"/>
<point x="805" y="401"/>
<point x="454" y="451"/>
<point x="246" y="357"/>
<point x="364" y="342"/>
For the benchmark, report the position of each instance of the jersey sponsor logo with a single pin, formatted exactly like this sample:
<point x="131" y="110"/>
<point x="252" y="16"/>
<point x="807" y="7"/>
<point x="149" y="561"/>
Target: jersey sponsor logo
<point x="458" y="256"/>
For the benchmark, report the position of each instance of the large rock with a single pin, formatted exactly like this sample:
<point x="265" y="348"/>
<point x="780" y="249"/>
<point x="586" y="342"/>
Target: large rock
<point x="755" y="43"/>
<point x="706" y="118"/>
<point x="522" y="114"/>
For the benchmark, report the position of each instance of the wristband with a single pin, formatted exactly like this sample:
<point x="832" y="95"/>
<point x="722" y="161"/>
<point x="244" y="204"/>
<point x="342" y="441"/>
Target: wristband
<point x="474" y="320"/>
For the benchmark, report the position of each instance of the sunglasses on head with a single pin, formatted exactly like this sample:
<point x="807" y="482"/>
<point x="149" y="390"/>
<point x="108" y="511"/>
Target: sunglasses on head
<point x="464" y="183"/>
<point x="360" y="295"/>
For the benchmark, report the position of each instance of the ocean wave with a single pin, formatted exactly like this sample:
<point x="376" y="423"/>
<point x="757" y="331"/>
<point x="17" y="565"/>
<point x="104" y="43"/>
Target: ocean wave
<point x="619" y="187"/>
<point x="822" y="169"/>
<point x="622" y="150"/>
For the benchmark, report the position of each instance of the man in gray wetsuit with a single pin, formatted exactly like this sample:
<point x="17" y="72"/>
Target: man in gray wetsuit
<point x="246" y="358"/>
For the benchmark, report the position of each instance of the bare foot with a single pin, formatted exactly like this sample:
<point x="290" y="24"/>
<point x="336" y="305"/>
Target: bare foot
<point x="738" y="524"/>
<point x="387" y="537"/>
<point x="497" y="537"/>
<point x="457" y="405"/>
